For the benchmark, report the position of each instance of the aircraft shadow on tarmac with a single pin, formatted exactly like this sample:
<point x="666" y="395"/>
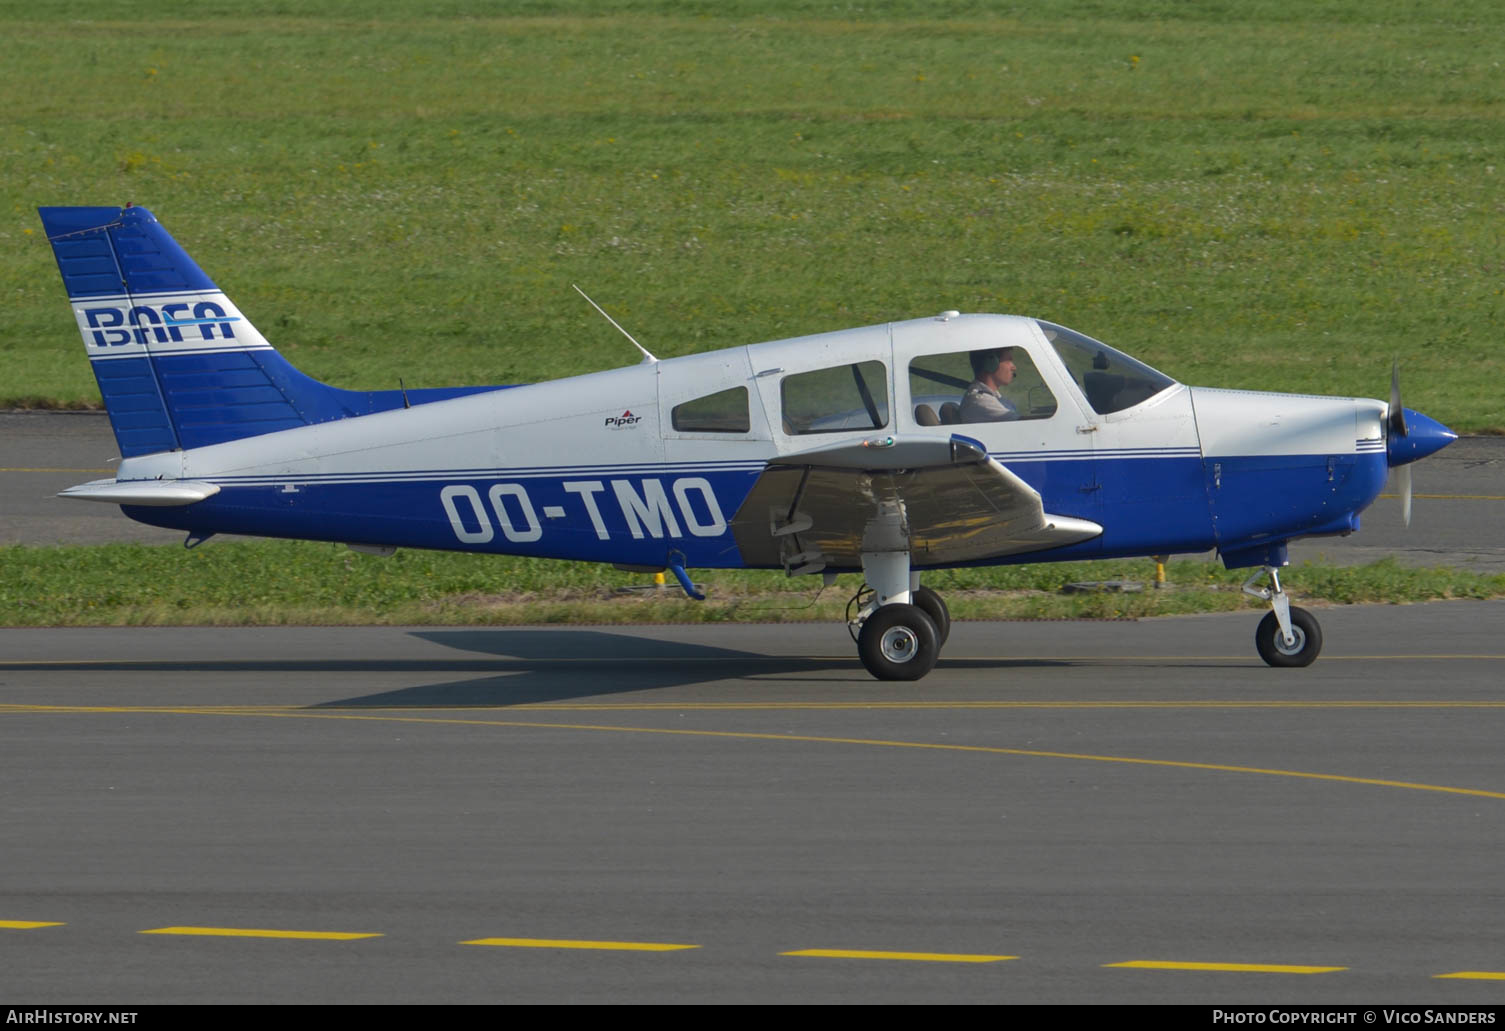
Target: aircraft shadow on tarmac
<point x="556" y="665"/>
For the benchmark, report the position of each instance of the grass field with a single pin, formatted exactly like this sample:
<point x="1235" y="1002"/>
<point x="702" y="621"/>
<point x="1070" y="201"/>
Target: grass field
<point x="1270" y="194"/>
<point x="282" y="582"/>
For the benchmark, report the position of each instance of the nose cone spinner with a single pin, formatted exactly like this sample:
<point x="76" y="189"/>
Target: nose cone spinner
<point x="1420" y="436"/>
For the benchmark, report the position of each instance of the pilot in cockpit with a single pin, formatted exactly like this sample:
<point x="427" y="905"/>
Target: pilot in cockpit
<point x="994" y="369"/>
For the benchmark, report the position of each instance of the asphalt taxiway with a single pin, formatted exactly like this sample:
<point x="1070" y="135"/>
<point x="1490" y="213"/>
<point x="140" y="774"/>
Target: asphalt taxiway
<point x="1061" y="812"/>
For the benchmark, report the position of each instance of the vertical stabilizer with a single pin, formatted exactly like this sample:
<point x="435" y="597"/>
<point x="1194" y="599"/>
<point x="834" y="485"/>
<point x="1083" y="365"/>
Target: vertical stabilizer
<point x="177" y="363"/>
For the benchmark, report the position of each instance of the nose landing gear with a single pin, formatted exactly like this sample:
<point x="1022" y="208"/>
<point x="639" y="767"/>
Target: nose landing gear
<point x="1288" y="636"/>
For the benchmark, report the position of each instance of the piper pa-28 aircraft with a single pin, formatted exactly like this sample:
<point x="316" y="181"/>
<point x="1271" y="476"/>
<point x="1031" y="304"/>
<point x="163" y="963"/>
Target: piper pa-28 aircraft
<point x="890" y="450"/>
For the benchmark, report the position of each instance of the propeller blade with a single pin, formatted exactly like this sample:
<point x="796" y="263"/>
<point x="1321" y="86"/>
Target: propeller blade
<point x="1403" y="483"/>
<point x="1397" y="413"/>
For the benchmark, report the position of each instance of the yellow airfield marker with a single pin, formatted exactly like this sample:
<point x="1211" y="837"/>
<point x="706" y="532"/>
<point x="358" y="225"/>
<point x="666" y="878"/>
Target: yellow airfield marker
<point x="49" y="469"/>
<point x="28" y="925"/>
<point x="1238" y="968"/>
<point x="914" y="957"/>
<point x="252" y="932"/>
<point x="1473" y="975"/>
<point x="566" y="943"/>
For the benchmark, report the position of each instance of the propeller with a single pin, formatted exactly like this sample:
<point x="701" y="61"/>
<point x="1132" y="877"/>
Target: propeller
<point x="1396" y="424"/>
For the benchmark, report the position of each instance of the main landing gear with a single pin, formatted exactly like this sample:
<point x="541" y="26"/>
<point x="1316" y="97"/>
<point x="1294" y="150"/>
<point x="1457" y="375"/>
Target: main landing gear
<point x="899" y="626"/>
<point x="1287" y="636"/>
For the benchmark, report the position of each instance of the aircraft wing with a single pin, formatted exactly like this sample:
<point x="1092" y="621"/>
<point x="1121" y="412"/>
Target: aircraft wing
<point x="942" y="500"/>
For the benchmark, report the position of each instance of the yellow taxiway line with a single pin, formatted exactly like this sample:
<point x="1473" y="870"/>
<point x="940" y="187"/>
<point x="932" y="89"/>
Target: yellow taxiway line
<point x="1239" y="968"/>
<point x="566" y="943"/>
<point x="254" y="932"/>
<point x="28" y="925"/>
<point x="848" y="706"/>
<point x="732" y="735"/>
<point x="916" y="957"/>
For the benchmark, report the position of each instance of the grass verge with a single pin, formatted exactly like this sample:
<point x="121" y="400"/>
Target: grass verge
<point x="269" y="583"/>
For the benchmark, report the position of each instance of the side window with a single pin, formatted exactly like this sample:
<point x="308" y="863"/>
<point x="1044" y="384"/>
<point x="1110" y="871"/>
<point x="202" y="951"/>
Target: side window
<point x="1000" y="384"/>
<point x="1110" y="379"/>
<point x="841" y="398"/>
<point x="725" y="411"/>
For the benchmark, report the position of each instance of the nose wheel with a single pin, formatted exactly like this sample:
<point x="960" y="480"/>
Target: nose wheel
<point x="1303" y="647"/>
<point x="1288" y="636"/>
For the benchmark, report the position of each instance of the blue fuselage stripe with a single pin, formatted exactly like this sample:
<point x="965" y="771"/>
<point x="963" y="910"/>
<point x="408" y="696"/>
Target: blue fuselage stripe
<point x="637" y="514"/>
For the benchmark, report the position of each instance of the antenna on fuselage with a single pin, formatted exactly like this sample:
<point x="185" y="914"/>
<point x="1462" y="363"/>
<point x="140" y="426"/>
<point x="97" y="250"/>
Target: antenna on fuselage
<point x="646" y="356"/>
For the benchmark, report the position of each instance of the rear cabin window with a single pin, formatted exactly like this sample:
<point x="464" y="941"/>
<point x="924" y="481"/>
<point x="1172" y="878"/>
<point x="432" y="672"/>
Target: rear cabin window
<point x="725" y="411"/>
<point x="948" y="389"/>
<point x="840" y="399"/>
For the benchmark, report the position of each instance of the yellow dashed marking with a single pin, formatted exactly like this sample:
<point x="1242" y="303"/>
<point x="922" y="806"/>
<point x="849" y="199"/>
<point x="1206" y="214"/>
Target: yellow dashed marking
<point x="252" y="932"/>
<point x="566" y="943"/>
<point x="915" y="957"/>
<point x="1473" y="975"/>
<point x="27" y="925"/>
<point x="1238" y="968"/>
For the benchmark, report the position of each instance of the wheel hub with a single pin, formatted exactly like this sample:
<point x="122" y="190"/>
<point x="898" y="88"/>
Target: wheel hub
<point x="1298" y="641"/>
<point x="899" y="644"/>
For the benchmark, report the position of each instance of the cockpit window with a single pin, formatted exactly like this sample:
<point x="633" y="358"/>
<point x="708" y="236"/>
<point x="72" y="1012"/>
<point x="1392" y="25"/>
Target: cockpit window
<point x="1111" y="380"/>
<point x="995" y="384"/>
<point x="841" y="398"/>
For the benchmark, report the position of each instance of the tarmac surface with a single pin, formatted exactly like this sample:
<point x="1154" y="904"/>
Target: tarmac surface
<point x="739" y="814"/>
<point x="1061" y="812"/>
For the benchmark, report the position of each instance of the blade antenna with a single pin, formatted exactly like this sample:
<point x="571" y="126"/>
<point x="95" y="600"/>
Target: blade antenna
<point x="646" y="356"/>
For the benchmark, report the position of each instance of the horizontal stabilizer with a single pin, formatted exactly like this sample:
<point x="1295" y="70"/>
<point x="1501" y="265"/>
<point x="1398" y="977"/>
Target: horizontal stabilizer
<point x="152" y="493"/>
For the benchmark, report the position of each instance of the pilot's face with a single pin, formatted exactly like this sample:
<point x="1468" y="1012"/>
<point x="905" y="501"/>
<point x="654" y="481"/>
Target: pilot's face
<point x="1005" y="374"/>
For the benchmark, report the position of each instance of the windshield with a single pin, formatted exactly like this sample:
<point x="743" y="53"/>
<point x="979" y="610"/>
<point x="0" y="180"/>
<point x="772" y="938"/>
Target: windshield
<point x="1110" y="379"/>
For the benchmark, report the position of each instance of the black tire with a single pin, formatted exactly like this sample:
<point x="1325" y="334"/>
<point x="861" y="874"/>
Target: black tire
<point x="898" y="642"/>
<point x="1275" y="651"/>
<point x="934" y="606"/>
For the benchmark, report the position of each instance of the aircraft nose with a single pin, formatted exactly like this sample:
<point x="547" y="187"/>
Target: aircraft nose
<point x="1424" y="436"/>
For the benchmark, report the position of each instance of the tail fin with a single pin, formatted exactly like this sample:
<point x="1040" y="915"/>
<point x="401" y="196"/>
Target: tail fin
<point x="177" y="363"/>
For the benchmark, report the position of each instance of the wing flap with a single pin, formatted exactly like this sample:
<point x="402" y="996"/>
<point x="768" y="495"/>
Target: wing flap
<point x="823" y="509"/>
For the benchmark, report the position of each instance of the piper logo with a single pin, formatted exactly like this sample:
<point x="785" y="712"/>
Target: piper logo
<point x="624" y="421"/>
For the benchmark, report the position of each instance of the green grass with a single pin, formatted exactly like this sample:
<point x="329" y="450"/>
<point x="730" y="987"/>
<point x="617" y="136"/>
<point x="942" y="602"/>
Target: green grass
<point x="1268" y="195"/>
<point x="277" y="582"/>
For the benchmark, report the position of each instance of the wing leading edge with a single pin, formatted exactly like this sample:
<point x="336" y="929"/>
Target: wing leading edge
<point x="942" y="500"/>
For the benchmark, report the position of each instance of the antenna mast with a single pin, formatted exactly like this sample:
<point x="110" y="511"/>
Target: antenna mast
<point x="646" y="356"/>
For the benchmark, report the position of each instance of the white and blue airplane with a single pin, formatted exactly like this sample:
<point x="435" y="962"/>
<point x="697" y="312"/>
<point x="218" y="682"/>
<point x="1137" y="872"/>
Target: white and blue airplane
<point x="887" y="450"/>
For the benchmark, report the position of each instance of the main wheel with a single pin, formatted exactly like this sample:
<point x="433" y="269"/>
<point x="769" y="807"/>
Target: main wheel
<point x="898" y="642"/>
<point x="934" y="606"/>
<point x="1301" y="652"/>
